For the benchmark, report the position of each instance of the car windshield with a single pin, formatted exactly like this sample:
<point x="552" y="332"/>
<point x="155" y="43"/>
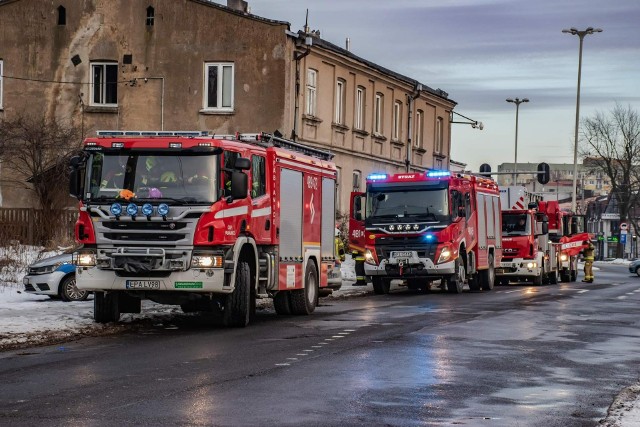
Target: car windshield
<point x="514" y="224"/>
<point x="180" y="178"/>
<point x="396" y="204"/>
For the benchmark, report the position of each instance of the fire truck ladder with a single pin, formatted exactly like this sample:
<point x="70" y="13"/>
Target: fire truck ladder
<point x="269" y="140"/>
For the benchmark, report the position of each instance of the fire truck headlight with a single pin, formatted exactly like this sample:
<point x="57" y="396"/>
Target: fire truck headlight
<point x="132" y="209"/>
<point x="163" y="209"/>
<point x="563" y="257"/>
<point x="392" y="227"/>
<point x="206" y="261"/>
<point x="147" y="209"/>
<point x="531" y="265"/>
<point x="116" y="209"/>
<point x="368" y="257"/>
<point x="445" y="255"/>
<point x="416" y="226"/>
<point x="84" y="259"/>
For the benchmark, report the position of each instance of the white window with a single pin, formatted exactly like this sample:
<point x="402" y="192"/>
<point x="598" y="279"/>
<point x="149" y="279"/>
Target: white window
<point x="397" y="106"/>
<point x="1" y="74"/>
<point x="419" y="126"/>
<point x="439" y="135"/>
<point x="357" y="177"/>
<point x="377" y="120"/>
<point x="359" y="116"/>
<point x="218" y="86"/>
<point x="312" y="81"/>
<point x="104" y="84"/>
<point x="340" y="100"/>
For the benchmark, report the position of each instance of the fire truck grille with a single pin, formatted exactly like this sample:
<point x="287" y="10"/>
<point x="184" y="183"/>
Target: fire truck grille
<point x="141" y="237"/>
<point x="386" y="245"/>
<point x="144" y="225"/>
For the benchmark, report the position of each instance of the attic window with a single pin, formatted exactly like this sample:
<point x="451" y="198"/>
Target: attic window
<point x="62" y="15"/>
<point x="150" y="16"/>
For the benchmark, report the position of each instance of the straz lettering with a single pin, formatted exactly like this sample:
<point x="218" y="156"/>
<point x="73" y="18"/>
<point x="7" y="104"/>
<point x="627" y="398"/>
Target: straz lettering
<point x="312" y="182"/>
<point x="406" y="176"/>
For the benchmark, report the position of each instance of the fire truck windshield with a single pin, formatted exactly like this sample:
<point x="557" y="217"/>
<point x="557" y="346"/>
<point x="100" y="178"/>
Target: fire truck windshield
<point x="179" y="178"/>
<point x="424" y="204"/>
<point x="515" y="224"/>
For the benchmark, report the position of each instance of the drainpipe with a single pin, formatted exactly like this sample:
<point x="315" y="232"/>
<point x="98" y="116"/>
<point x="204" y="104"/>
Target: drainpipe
<point x="297" y="56"/>
<point x="410" y="100"/>
<point x="146" y="79"/>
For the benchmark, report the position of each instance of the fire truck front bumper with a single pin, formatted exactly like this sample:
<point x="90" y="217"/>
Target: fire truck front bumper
<point x="410" y="267"/>
<point x="194" y="280"/>
<point x="519" y="268"/>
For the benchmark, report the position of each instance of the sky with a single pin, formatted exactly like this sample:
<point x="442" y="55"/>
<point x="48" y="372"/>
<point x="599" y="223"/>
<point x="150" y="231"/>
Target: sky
<point x="482" y="52"/>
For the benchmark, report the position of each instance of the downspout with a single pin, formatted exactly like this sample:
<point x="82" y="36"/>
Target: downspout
<point x="146" y="79"/>
<point x="297" y="56"/>
<point x="410" y="100"/>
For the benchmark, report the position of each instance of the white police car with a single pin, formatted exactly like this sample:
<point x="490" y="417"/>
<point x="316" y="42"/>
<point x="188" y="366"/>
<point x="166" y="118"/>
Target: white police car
<point x="54" y="276"/>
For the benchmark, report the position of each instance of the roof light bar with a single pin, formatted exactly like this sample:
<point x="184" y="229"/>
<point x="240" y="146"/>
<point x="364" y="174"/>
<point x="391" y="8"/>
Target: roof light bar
<point x="438" y="174"/>
<point x="377" y="176"/>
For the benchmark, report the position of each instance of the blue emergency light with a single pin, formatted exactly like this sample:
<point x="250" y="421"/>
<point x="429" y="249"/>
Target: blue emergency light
<point x="437" y="174"/>
<point x="377" y="176"/>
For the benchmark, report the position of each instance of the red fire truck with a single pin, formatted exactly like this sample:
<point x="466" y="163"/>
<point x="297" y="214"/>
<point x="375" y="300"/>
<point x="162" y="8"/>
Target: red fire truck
<point x="204" y="221"/>
<point x="422" y="227"/>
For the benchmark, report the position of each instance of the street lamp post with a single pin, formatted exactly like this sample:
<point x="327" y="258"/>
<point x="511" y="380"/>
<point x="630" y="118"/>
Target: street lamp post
<point x="573" y="31"/>
<point x="516" y="101"/>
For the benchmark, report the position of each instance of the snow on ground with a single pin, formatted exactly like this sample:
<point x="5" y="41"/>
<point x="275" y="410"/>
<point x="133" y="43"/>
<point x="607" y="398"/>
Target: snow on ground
<point x="27" y="319"/>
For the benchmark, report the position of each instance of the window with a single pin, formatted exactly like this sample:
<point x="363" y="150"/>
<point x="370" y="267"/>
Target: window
<point x="1" y="74"/>
<point x="150" y="16"/>
<point x="312" y="81"/>
<point x="218" y="86"/>
<point x="258" y="177"/>
<point x="228" y="162"/>
<point x="62" y="15"/>
<point x="397" y="108"/>
<point x="437" y="163"/>
<point x="359" y="116"/>
<point x="104" y="84"/>
<point x="357" y="177"/>
<point x="419" y="126"/>
<point x="439" y="135"/>
<point x="377" y="119"/>
<point x="340" y="101"/>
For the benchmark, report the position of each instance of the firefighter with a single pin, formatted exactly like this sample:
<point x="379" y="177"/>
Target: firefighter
<point x="358" y="257"/>
<point x="339" y="246"/>
<point x="588" y="261"/>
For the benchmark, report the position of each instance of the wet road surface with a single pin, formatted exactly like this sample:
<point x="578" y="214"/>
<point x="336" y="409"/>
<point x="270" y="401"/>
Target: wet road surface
<point x="519" y="355"/>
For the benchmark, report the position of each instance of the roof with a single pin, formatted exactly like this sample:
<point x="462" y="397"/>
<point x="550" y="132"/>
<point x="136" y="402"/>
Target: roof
<point x="318" y="42"/>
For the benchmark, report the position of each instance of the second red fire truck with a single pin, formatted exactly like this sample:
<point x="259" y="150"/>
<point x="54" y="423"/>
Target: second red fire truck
<point x="205" y="222"/>
<point x="422" y="227"/>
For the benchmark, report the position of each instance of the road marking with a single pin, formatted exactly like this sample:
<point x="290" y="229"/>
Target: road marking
<point x="343" y="333"/>
<point x="353" y="330"/>
<point x="283" y="364"/>
<point x="292" y="358"/>
<point x="329" y="339"/>
<point x="301" y="354"/>
<point x="622" y="297"/>
<point x="510" y="292"/>
<point x="308" y="351"/>
<point x="323" y="343"/>
<point x="337" y="336"/>
<point x="316" y="346"/>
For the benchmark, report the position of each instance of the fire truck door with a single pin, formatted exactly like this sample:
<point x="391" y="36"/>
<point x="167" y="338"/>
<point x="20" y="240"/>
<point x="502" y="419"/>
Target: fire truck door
<point x="356" y="222"/>
<point x="260" y="201"/>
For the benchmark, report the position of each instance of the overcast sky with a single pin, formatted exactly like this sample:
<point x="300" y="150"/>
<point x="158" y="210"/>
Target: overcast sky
<point x="484" y="51"/>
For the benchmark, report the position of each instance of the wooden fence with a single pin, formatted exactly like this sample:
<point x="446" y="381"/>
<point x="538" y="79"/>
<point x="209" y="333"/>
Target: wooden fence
<point x="30" y="226"/>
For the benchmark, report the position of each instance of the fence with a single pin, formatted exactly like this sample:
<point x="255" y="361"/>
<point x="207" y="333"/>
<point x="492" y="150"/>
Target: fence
<point x="30" y="226"/>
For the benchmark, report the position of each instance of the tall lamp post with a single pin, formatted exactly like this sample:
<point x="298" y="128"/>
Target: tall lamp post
<point x="516" y="101"/>
<point x="573" y="31"/>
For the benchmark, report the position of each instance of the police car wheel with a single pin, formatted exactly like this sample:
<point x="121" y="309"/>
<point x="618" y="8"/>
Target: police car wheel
<point x="638" y="271"/>
<point x="69" y="292"/>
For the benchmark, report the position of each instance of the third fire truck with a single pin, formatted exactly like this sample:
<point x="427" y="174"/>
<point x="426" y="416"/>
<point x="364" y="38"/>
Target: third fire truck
<point x="202" y="221"/>
<point x="426" y="226"/>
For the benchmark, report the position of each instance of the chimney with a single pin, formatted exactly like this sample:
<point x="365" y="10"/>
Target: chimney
<point x="348" y="44"/>
<point x="239" y="5"/>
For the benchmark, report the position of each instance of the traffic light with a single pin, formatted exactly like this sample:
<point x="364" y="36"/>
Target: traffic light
<point x="544" y="173"/>
<point x="485" y="170"/>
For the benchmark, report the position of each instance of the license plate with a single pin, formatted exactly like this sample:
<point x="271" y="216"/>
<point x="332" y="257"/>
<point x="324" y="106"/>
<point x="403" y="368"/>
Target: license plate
<point x="143" y="284"/>
<point x="404" y="255"/>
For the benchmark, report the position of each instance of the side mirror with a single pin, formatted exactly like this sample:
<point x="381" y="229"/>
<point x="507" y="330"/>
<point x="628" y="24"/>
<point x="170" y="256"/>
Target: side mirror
<point x="242" y="163"/>
<point x="75" y="177"/>
<point x="357" y="205"/>
<point x="357" y="216"/>
<point x="239" y="185"/>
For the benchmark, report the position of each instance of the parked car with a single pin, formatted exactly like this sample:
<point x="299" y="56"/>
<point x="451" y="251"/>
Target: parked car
<point x="54" y="276"/>
<point x="634" y="267"/>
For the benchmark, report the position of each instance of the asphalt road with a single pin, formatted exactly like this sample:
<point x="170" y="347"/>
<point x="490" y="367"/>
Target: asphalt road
<point x="519" y="355"/>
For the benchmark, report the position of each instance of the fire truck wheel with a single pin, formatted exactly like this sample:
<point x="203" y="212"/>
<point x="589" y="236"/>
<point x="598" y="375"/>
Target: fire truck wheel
<point x="381" y="285"/>
<point x="237" y="306"/>
<point x="105" y="307"/>
<point x="455" y="283"/>
<point x="553" y="277"/>
<point x="281" y="303"/>
<point x="565" y="276"/>
<point x="474" y="282"/>
<point x="574" y="275"/>
<point x="304" y="301"/>
<point x="537" y="280"/>
<point x="488" y="276"/>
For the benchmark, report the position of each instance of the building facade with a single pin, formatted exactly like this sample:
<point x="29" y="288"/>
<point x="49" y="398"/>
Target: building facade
<point x="199" y="65"/>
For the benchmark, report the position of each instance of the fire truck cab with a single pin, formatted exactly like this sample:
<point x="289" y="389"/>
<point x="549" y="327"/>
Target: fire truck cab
<point x="207" y="222"/>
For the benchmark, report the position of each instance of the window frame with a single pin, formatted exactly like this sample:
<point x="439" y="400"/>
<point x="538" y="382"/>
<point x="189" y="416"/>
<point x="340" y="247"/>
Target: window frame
<point x="378" y="114"/>
<point x="262" y="172"/>
<point x="151" y="16"/>
<point x="418" y="141"/>
<point x="103" y="95"/>
<point x="311" y="91"/>
<point x="397" y="112"/>
<point x="357" y="179"/>
<point x="439" y="135"/>
<point x="1" y="83"/>
<point x="220" y="87"/>
<point x="62" y="15"/>
<point x="341" y="86"/>
<point x="358" y="119"/>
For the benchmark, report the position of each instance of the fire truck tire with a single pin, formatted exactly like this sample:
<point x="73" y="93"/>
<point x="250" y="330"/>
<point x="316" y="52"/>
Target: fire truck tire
<point x="488" y="277"/>
<point x="281" y="303"/>
<point x="381" y="285"/>
<point x="574" y="275"/>
<point x="474" y="282"/>
<point x="105" y="307"/>
<point x="553" y="277"/>
<point x="455" y="282"/>
<point x="564" y="275"/>
<point x="537" y="280"/>
<point x="304" y="301"/>
<point x="237" y="306"/>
